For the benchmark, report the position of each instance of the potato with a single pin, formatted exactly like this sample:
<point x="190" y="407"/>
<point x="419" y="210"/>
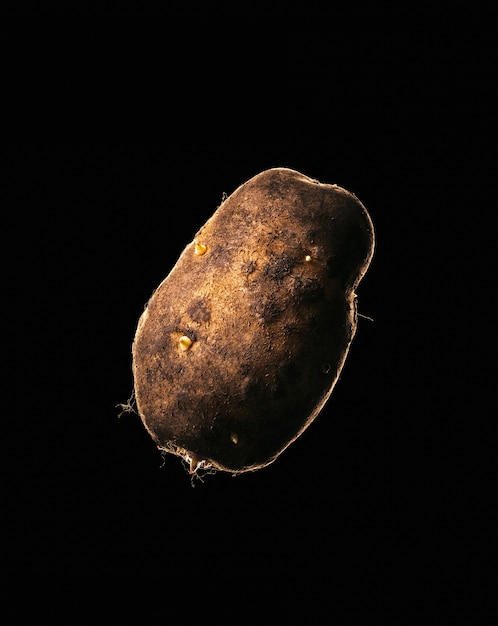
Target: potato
<point x="242" y="343"/>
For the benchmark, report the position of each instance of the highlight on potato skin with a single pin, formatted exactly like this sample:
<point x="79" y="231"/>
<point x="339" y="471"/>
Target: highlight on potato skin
<point x="242" y="343"/>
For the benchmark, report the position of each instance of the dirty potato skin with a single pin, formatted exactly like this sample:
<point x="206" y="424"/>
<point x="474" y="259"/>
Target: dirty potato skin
<point x="242" y="343"/>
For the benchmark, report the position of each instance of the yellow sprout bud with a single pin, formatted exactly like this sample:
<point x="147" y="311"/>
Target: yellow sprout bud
<point x="185" y="343"/>
<point x="200" y="249"/>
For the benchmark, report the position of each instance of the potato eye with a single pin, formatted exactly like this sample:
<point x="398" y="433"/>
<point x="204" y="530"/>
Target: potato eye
<point x="185" y="343"/>
<point x="200" y="249"/>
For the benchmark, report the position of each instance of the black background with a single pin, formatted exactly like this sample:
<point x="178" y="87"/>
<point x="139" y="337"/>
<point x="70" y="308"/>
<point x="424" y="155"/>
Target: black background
<point x="374" y="500"/>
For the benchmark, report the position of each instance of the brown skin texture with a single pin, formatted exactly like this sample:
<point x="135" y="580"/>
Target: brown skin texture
<point x="266" y="295"/>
